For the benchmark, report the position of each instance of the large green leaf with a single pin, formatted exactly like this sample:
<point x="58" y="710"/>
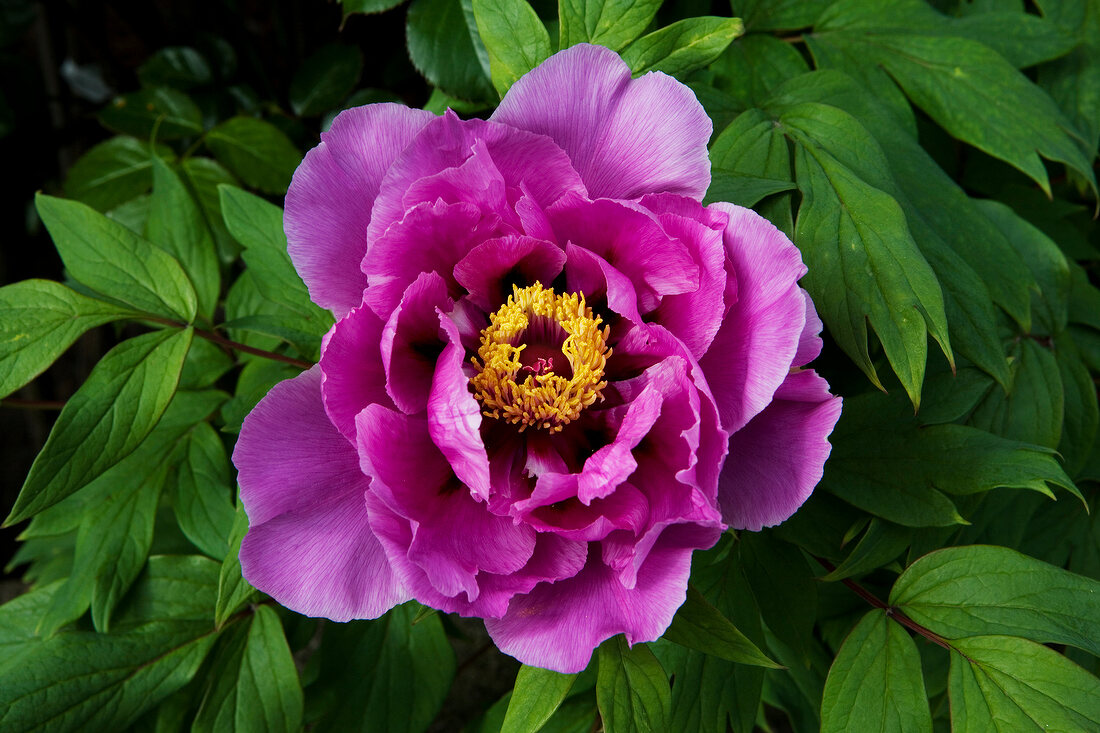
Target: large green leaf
<point x="444" y="51"/>
<point x="784" y="587"/>
<point x="875" y="683"/>
<point x="176" y="225"/>
<point x="863" y="263"/>
<point x="754" y="65"/>
<point x="179" y="67"/>
<point x="113" y="261"/>
<point x="682" y="47"/>
<point x="39" y="320"/>
<point x="1074" y="81"/>
<point x="203" y="176"/>
<point x="611" y="23"/>
<point x="200" y="491"/>
<point x="168" y="113"/>
<point x="632" y="689"/>
<point x="700" y="626"/>
<point x="106" y="419"/>
<point x="81" y="680"/>
<point x="325" y="79"/>
<point x="514" y="37"/>
<point x="778" y="15"/>
<point x="1001" y="683"/>
<point x="256" y="686"/>
<point x="982" y="589"/>
<point x="969" y="89"/>
<point x="397" y="670"/>
<point x="234" y="592"/>
<point x="1033" y="408"/>
<point x="256" y="151"/>
<point x="113" y="172"/>
<point x="536" y="696"/>
<point x="897" y="470"/>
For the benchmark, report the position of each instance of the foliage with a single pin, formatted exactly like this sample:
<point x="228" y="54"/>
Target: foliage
<point x="934" y="163"/>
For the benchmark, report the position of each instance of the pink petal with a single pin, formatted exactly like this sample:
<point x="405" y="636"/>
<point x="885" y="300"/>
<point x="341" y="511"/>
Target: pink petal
<point x="753" y="352"/>
<point x="431" y="238"/>
<point x="328" y="206"/>
<point x="630" y="240"/>
<point x="558" y="625"/>
<point x="411" y="342"/>
<point x="625" y="137"/>
<point x="809" y="343"/>
<point x="309" y="543"/>
<point x="454" y="416"/>
<point x="490" y="269"/>
<point x="524" y="161"/>
<point x="351" y="368"/>
<point x="776" y="460"/>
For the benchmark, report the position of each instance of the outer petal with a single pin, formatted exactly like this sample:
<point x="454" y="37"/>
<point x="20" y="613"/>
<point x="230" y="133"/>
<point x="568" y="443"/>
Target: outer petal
<point x="753" y="351"/>
<point x="328" y="206"/>
<point x="625" y="137"/>
<point x="351" y="365"/>
<point x="557" y="625"/>
<point x="309" y="544"/>
<point x="776" y="460"/>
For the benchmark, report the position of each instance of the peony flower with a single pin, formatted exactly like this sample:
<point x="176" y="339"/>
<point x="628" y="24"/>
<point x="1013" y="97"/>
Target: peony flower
<point x="554" y="373"/>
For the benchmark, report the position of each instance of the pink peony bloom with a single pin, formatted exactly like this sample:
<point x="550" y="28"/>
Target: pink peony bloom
<point x="554" y="372"/>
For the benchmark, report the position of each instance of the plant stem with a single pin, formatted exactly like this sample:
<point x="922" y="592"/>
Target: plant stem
<point x="223" y="341"/>
<point x="892" y="611"/>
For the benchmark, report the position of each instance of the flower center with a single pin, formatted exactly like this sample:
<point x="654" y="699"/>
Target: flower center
<point x="541" y="359"/>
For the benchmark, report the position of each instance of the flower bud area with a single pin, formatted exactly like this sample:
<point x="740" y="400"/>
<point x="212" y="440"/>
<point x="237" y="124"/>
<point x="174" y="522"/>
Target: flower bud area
<point x="541" y="359"/>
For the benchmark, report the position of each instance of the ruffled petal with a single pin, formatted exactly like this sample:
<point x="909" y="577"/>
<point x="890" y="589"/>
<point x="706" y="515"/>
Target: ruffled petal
<point x="329" y="203"/>
<point x="412" y="342"/>
<point x="351" y="368"/>
<point x="626" y="137"/>
<point x="455" y="536"/>
<point x="776" y="460"/>
<point x="753" y="352"/>
<point x="491" y="268"/>
<point x="309" y="543"/>
<point x="558" y="625"/>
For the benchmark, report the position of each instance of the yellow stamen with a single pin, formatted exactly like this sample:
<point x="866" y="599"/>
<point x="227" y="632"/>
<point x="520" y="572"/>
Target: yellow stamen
<point x="541" y="399"/>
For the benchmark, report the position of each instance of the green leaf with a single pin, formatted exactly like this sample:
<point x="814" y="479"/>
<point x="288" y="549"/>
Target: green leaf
<point x="168" y="113"/>
<point x="897" y="469"/>
<point x="106" y="419"/>
<point x="368" y="6"/>
<point x="1005" y="683"/>
<point x="113" y="261"/>
<point x="324" y="79"/>
<point x="258" y="226"/>
<point x="784" y="587"/>
<point x="863" y="263"/>
<point x="399" y="672"/>
<point x="699" y="625"/>
<point x="176" y="225"/>
<point x="112" y="545"/>
<point x="1082" y="413"/>
<point x="1033" y="409"/>
<point x="443" y="50"/>
<point x="514" y="37"/>
<point x="881" y="543"/>
<point x="778" y="15"/>
<point x="1074" y="81"/>
<point x="875" y="683"/>
<point x="179" y="67"/>
<point x="256" y="687"/>
<point x="754" y="65"/>
<point x="80" y="680"/>
<point x="743" y="190"/>
<point x="632" y="689"/>
<point x="983" y="589"/>
<point x="611" y="23"/>
<point x="682" y="47"/>
<point x="203" y="176"/>
<point x="536" y="696"/>
<point x="234" y="592"/>
<point x="201" y="491"/>
<point x="113" y="172"/>
<point x="256" y="151"/>
<point x="966" y="87"/>
<point x="39" y="320"/>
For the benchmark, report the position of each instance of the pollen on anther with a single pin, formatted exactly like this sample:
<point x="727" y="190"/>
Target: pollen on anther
<point x="534" y="395"/>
